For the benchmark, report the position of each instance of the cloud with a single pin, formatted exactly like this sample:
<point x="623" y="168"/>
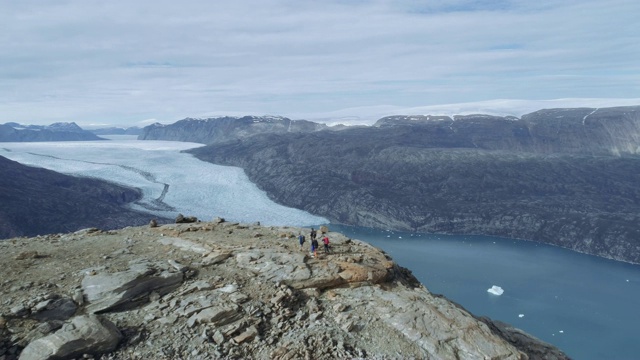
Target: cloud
<point x="123" y="62"/>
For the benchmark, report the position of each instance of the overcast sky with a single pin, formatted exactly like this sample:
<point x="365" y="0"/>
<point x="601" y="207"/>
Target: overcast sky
<point x="135" y="62"/>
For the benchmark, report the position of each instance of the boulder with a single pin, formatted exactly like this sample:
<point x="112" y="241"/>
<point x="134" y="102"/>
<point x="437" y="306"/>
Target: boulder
<point x="55" y="309"/>
<point x="247" y="335"/>
<point x="127" y="289"/>
<point x="215" y="257"/>
<point x="87" y="334"/>
<point x="181" y="219"/>
<point x="40" y="331"/>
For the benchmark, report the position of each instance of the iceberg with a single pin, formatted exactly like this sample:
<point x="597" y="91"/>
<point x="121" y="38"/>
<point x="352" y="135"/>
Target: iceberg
<point x="495" y="290"/>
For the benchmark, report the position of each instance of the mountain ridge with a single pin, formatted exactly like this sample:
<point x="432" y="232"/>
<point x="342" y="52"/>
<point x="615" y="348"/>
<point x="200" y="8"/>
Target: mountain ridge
<point x="494" y="176"/>
<point x="61" y="131"/>
<point x="226" y="128"/>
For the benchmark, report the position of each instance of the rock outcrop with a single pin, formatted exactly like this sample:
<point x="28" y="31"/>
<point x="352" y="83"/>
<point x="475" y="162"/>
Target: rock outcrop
<point x="126" y="289"/>
<point x="82" y="335"/>
<point x="226" y="290"/>
<point x="567" y="177"/>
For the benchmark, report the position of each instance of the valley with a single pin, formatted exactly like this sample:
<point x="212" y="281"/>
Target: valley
<point x="533" y="179"/>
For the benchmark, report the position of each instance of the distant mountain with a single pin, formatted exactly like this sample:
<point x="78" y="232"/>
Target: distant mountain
<point x="567" y="177"/>
<point x="134" y="130"/>
<point x="214" y="130"/>
<point x="583" y="130"/>
<point x="37" y="201"/>
<point x="14" y="132"/>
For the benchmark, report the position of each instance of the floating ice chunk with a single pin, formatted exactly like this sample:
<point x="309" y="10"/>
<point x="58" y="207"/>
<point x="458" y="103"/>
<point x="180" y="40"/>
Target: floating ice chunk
<point x="495" y="290"/>
<point x="561" y="331"/>
<point x="520" y="315"/>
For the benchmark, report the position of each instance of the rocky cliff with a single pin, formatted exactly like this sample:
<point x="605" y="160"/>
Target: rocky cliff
<point x="215" y="130"/>
<point x="228" y="290"/>
<point x="38" y="201"/>
<point x="606" y="131"/>
<point x="567" y="177"/>
<point x="14" y="132"/>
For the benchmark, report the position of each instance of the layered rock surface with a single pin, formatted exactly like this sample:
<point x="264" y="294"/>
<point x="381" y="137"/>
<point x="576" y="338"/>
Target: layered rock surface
<point x="226" y="290"/>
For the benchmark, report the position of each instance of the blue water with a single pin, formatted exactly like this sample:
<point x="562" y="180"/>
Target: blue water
<point x="585" y="305"/>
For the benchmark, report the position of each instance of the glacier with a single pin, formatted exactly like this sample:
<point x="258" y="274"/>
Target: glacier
<point x="171" y="182"/>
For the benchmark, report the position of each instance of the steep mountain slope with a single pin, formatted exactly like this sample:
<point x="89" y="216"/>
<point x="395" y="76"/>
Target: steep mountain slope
<point x="474" y="175"/>
<point x="38" y="201"/>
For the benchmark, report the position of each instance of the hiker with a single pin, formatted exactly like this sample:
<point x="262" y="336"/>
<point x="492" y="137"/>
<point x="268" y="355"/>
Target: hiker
<point x="313" y="234"/>
<point x="302" y="240"/>
<point x="314" y="247"/>
<point x="325" y="240"/>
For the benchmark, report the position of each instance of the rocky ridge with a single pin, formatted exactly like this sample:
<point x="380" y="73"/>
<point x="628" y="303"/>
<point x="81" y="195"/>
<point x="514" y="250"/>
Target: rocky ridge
<point x="228" y="128"/>
<point x="227" y="290"/>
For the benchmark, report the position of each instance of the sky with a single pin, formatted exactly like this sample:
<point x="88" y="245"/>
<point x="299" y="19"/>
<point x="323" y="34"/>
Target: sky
<point x="132" y="63"/>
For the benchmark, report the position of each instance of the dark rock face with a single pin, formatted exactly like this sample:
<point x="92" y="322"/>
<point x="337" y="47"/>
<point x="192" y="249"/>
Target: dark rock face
<point x="215" y="130"/>
<point x="14" y="132"/>
<point x="608" y="131"/>
<point x="540" y="178"/>
<point x="37" y="201"/>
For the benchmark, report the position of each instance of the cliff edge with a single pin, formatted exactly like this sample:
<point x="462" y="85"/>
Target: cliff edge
<point x="227" y="290"/>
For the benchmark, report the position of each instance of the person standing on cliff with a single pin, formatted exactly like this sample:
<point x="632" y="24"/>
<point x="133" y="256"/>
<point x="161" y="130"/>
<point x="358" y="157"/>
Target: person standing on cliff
<point x="301" y="239"/>
<point x="325" y="240"/>
<point x="313" y="234"/>
<point x="314" y="247"/>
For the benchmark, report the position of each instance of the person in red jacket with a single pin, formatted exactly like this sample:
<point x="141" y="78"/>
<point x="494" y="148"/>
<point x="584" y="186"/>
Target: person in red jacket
<point x="325" y="240"/>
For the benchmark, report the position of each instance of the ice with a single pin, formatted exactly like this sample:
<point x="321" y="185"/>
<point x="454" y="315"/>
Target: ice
<point x="495" y="290"/>
<point x="171" y="182"/>
<point x="521" y="315"/>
